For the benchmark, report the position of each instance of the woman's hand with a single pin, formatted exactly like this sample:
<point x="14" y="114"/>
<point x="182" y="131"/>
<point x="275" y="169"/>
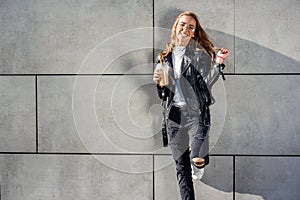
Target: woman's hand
<point x="222" y="55"/>
<point x="156" y="76"/>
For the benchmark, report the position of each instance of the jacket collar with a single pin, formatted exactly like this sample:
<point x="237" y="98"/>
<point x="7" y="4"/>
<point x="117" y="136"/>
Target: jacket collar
<point x="186" y="63"/>
<point x="186" y="60"/>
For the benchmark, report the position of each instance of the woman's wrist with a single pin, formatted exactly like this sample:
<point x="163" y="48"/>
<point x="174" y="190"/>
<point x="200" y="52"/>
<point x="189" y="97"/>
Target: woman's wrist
<point x="220" y="59"/>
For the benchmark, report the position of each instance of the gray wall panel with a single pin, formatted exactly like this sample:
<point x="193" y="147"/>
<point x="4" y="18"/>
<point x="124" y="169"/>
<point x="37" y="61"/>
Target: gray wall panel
<point x="261" y="115"/>
<point x="56" y="36"/>
<point x="267" y="36"/>
<point x="17" y="114"/>
<point x="33" y="177"/>
<point x="273" y="178"/>
<point x="216" y="183"/>
<point x="57" y="132"/>
<point x="99" y="114"/>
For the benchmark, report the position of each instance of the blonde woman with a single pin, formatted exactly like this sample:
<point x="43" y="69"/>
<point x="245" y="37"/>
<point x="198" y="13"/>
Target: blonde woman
<point x="194" y="67"/>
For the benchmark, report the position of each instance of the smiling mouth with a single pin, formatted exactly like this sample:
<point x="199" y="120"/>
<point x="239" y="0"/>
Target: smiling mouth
<point x="183" y="35"/>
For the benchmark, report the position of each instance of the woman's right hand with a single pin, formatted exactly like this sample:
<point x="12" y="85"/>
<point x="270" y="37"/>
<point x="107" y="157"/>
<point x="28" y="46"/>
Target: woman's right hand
<point x="156" y="76"/>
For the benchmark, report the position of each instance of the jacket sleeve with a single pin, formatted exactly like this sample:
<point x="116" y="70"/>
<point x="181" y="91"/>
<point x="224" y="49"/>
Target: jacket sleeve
<point x="162" y="92"/>
<point x="208" y="70"/>
<point x="213" y="75"/>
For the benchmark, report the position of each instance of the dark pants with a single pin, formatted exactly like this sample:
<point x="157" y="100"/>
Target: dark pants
<point x="188" y="138"/>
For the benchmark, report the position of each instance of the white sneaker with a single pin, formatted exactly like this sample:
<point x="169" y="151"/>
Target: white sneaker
<point x="197" y="173"/>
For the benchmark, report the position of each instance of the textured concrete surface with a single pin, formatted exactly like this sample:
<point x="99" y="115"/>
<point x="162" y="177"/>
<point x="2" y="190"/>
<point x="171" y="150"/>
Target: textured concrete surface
<point x="267" y="36"/>
<point x="57" y="131"/>
<point x="120" y="115"/>
<point x="33" y="177"/>
<point x="267" y="177"/>
<point x="17" y="113"/>
<point x="261" y="115"/>
<point x="56" y="36"/>
<point x="115" y="115"/>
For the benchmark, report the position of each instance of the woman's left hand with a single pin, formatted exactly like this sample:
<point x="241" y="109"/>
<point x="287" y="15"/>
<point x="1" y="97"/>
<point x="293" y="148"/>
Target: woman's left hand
<point x="222" y="55"/>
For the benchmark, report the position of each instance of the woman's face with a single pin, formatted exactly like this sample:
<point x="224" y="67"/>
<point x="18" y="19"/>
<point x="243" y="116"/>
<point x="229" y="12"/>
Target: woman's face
<point x="185" y="29"/>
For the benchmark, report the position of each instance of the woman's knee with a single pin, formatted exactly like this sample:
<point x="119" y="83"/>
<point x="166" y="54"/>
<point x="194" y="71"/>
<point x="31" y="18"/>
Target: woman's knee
<point x="198" y="161"/>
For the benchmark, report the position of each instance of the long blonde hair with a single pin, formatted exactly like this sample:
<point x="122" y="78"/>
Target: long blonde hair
<point x="200" y="38"/>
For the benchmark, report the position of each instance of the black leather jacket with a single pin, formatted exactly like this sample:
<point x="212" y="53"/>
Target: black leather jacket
<point x="198" y="74"/>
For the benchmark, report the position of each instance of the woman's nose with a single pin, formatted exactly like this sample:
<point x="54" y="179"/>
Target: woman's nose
<point x="185" y="29"/>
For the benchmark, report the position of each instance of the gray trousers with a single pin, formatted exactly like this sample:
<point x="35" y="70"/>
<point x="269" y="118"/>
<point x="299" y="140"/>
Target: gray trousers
<point x="188" y="139"/>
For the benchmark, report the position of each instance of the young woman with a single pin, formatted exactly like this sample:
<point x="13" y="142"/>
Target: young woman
<point x="194" y="67"/>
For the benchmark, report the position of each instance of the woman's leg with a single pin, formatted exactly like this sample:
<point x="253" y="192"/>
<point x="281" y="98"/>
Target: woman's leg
<point x="179" y="144"/>
<point x="184" y="176"/>
<point x="199" y="144"/>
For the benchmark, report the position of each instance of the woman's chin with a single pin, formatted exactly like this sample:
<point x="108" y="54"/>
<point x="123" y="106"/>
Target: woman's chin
<point x="183" y="42"/>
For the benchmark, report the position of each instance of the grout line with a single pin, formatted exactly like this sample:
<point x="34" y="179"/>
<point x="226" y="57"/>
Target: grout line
<point x="262" y="73"/>
<point x="153" y="177"/>
<point x="105" y="74"/>
<point x="153" y="54"/>
<point x="233" y="181"/>
<point x="36" y="117"/>
<point x="146" y="154"/>
<point x="142" y="74"/>
<point x="17" y="74"/>
<point x="256" y="155"/>
<point x="234" y="37"/>
<point x="153" y="36"/>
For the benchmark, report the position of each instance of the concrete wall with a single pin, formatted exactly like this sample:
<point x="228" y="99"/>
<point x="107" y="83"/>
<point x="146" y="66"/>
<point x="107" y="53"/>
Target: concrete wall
<point x="79" y="115"/>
